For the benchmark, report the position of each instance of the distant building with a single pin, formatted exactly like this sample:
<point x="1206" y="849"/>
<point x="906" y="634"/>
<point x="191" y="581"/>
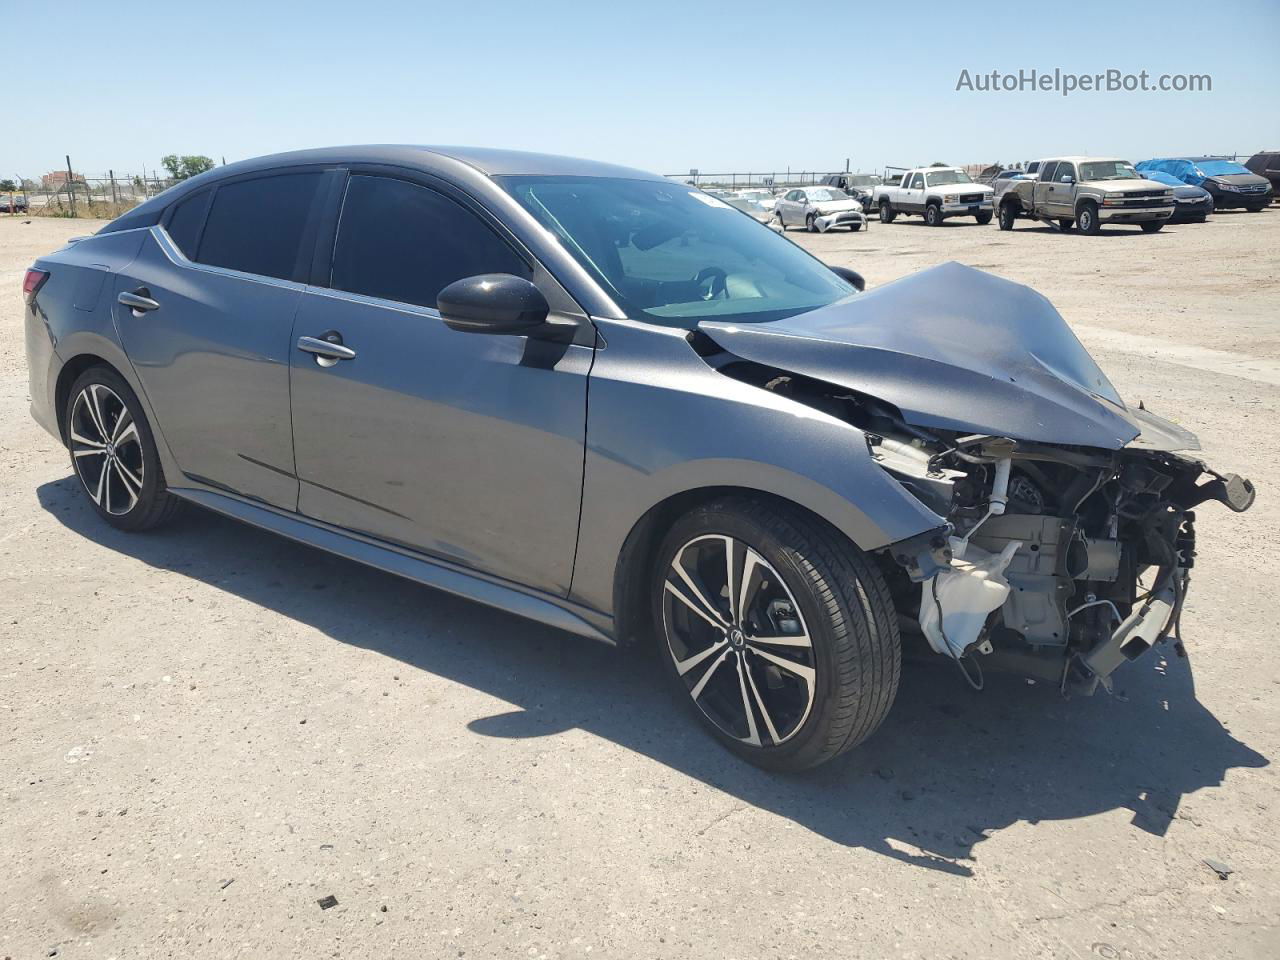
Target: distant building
<point x="57" y="179"/>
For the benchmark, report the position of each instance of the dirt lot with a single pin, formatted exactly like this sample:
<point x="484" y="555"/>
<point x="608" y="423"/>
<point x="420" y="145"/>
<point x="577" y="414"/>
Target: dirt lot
<point x="205" y="730"/>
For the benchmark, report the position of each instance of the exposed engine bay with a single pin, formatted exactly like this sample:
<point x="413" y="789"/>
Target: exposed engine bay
<point x="1062" y="562"/>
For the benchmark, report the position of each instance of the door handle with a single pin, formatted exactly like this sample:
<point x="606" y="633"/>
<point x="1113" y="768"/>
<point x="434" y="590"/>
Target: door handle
<point x="326" y="352"/>
<point x="139" y="301"/>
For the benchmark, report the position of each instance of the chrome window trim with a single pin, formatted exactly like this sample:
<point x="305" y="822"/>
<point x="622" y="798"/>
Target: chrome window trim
<point x="178" y="258"/>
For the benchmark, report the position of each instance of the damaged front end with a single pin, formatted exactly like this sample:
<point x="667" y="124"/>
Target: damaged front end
<point x="1062" y="562"/>
<point x="1066" y="531"/>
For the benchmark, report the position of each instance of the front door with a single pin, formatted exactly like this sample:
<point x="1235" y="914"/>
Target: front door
<point x="465" y="446"/>
<point x="913" y="193"/>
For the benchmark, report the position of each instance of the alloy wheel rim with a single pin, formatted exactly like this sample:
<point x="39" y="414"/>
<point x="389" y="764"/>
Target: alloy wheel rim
<point x="107" y="449"/>
<point x="738" y="640"/>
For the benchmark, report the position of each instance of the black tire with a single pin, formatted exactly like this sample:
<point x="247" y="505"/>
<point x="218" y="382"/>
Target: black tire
<point x="811" y="223"/>
<point x="1008" y="214"/>
<point x="1152" y="226"/>
<point x="830" y="595"/>
<point x="1065" y="225"/>
<point x="983" y="218"/>
<point x="782" y="223"/>
<point x="1087" y="221"/>
<point x="101" y="406"/>
<point x="1201" y="218"/>
<point x="887" y="213"/>
<point x="933" y="215"/>
<point x="855" y="227"/>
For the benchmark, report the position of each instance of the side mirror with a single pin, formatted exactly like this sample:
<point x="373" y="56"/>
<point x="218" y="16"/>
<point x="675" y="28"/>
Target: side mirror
<point x="492" y="303"/>
<point x="1066" y="178"/>
<point x="852" y="276"/>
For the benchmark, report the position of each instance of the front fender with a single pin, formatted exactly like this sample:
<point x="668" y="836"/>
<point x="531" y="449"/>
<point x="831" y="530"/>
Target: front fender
<point x="661" y="422"/>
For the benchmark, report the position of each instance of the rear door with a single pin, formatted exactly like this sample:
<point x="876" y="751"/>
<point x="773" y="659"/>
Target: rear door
<point x="225" y="267"/>
<point x="465" y="446"/>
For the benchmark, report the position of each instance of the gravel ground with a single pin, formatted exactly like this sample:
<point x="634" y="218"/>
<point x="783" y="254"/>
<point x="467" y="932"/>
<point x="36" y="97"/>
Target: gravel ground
<point x="206" y="730"/>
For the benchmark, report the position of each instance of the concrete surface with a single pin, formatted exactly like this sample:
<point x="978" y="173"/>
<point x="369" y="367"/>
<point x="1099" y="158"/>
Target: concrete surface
<point x="205" y="730"/>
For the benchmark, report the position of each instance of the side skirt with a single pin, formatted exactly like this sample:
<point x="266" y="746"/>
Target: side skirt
<point x="544" y="608"/>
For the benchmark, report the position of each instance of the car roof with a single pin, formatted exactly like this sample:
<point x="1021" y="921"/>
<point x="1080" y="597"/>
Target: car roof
<point x="487" y="160"/>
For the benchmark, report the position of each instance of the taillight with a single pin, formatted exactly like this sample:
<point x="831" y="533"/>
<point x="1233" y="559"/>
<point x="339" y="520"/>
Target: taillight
<point x="32" y="283"/>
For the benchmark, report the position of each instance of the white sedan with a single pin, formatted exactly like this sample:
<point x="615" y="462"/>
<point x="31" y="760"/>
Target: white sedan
<point x="819" y="209"/>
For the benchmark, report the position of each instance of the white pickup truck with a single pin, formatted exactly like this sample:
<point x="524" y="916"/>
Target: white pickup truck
<point x="935" y="193"/>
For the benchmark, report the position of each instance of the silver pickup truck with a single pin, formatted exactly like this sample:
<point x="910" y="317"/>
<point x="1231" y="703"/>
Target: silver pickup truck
<point x="1086" y="192"/>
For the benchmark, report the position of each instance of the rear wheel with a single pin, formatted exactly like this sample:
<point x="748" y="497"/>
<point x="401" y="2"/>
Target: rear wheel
<point x="933" y="215"/>
<point x="1152" y="226"/>
<point x="1087" y="220"/>
<point x="777" y="630"/>
<point x="113" y="452"/>
<point x="887" y="212"/>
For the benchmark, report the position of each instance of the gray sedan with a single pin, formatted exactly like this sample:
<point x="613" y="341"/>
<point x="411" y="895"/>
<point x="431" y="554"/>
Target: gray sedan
<point x="614" y="404"/>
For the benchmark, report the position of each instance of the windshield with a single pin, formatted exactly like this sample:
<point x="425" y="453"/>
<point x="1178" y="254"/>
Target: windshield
<point x="825" y="194"/>
<point x="938" y="178"/>
<point x="1108" y="170"/>
<point x="1160" y="177"/>
<point x="1220" y="168"/>
<point x="672" y="255"/>
<point x="864" y="180"/>
<point x="756" y="194"/>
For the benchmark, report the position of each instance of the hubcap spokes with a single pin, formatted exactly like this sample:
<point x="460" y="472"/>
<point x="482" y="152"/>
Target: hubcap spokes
<point x="738" y="640"/>
<point x="107" y="449"/>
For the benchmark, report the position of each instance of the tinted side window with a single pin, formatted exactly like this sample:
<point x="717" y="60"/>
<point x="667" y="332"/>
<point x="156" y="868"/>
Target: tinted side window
<point x="257" y="225"/>
<point x="1046" y="172"/>
<point x="1064" y="170"/>
<point x="185" y="222"/>
<point x="401" y="241"/>
<point x="917" y="181"/>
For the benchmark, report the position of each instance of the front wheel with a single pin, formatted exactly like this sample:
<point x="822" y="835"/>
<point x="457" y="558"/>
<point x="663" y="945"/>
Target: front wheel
<point x="781" y="223"/>
<point x="1152" y="226"/>
<point x="811" y="223"/>
<point x="1087" y="220"/>
<point x="113" y="452"/>
<point x="933" y="215"/>
<point x="855" y="227"/>
<point x="983" y="218"/>
<point x="1007" y="215"/>
<point x="776" y="630"/>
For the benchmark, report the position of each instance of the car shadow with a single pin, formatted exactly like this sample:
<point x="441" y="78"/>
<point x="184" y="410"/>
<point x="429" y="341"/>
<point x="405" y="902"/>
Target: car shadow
<point x="948" y="768"/>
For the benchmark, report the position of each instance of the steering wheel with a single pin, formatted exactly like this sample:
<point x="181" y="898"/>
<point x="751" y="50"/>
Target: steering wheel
<point x="719" y="286"/>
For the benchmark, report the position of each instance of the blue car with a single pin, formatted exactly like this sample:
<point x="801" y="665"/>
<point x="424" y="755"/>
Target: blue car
<point x="1191" y="204"/>
<point x="1230" y="184"/>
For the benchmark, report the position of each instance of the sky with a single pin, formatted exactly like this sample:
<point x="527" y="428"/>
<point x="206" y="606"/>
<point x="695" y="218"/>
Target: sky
<point x="666" y="86"/>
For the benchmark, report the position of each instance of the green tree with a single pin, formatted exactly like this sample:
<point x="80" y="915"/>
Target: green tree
<point x="7" y="186"/>
<point x="180" y="168"/>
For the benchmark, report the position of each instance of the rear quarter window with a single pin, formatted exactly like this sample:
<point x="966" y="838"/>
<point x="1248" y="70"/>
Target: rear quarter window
<point x="257" y="226"/>
<point x="184" y="223"/>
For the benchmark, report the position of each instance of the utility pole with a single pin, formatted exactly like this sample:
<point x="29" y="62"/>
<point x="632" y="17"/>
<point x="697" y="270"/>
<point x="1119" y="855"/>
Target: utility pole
<point x="71" y="186"/>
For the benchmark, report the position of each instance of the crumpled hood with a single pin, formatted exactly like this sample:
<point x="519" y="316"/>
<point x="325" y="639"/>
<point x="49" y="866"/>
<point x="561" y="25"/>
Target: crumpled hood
<point x="955" y="348"/>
